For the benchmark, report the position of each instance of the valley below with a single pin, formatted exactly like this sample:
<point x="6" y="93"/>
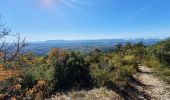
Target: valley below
<point x="83" y="46"/>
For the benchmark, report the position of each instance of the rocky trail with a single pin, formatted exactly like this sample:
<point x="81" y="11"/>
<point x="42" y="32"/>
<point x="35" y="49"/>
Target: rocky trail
<point x="153" y="86"/>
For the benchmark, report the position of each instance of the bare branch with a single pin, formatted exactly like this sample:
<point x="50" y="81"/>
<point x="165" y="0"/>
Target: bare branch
<point x="10" y="51"/>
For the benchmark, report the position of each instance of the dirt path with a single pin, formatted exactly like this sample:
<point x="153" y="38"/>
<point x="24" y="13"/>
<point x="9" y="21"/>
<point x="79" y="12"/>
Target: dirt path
<point x="154" y="87"/>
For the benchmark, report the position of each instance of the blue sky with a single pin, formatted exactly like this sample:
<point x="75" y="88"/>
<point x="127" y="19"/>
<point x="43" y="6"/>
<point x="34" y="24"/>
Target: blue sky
<point x="87" y="19"/>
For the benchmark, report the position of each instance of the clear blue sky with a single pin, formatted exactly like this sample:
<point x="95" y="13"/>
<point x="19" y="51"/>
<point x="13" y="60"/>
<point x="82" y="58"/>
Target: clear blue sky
<point x="87" y="19"/>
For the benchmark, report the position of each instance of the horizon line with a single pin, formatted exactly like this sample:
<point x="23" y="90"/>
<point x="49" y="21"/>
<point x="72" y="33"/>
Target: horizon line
<point x="161" y="38"/>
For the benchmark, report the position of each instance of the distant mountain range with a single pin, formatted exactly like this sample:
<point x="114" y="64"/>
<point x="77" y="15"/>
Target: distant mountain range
<point x="100" y="40"/>
<point x="43" y="47"/>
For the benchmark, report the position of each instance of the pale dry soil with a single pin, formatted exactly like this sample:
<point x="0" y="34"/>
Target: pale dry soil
<point x="94" y="94"/>
<point x="146" y="86"/>
<point x="156" y="88"/>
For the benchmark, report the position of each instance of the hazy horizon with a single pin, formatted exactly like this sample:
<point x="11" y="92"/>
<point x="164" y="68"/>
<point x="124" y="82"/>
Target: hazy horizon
<point x="40" y="20"/>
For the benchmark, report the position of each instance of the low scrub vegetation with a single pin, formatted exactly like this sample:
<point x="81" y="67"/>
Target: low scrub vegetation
<point x="41" y="76"/>
<point x="158" y="57"/>
<point x="29" y="76"/>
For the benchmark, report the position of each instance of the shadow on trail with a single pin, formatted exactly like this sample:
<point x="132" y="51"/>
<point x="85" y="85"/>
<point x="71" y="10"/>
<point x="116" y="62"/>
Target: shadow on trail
<point x="145" y="72"/>
<point x="142" y="71"/>
<point x="130" y="92"/>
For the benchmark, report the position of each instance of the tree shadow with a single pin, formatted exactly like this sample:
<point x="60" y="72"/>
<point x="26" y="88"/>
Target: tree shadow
<point x="130" y="91"/>
<point x="136" y="82"/>
<point x="144" y="72"/>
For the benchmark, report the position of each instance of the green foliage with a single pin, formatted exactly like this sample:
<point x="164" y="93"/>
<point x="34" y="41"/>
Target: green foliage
<point x="31" y="75"/>
<point x="158" y="57"/>
<point x="129" y="60"/>
<point x="41" y="72"/>
<point x="101" y="67"/>
<point x="161" y="52"/>
<point x="30" y="60"/>
<point x="119" y="48"/>
<point x="70" y="71"/>
<point x="101" y="76"/>
<point x="40" y="76"/>
<point x="125" y="67"/>
<point x="152" y="63"/>
<point x="124" y="73"/>
<point x="163" y="73"/>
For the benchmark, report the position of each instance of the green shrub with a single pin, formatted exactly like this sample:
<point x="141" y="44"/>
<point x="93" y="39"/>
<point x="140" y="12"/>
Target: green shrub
<point x="71" y="72"/>
<point x="124" y="73"/>
<point x="152" y="63"/>
<point x="164" y="74"/>
<point x="100" y="75"/>
<point x="130" y="60"/>
<point x="33" y="76"/>
<point x="41" y="72"/>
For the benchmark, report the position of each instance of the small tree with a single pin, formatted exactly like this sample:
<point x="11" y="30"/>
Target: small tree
<point x="8" y="50"/>
<point x="119" y="47"/>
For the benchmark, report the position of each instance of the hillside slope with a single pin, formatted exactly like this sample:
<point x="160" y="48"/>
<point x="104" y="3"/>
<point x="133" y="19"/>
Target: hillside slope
<point x="147" y="87"/>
